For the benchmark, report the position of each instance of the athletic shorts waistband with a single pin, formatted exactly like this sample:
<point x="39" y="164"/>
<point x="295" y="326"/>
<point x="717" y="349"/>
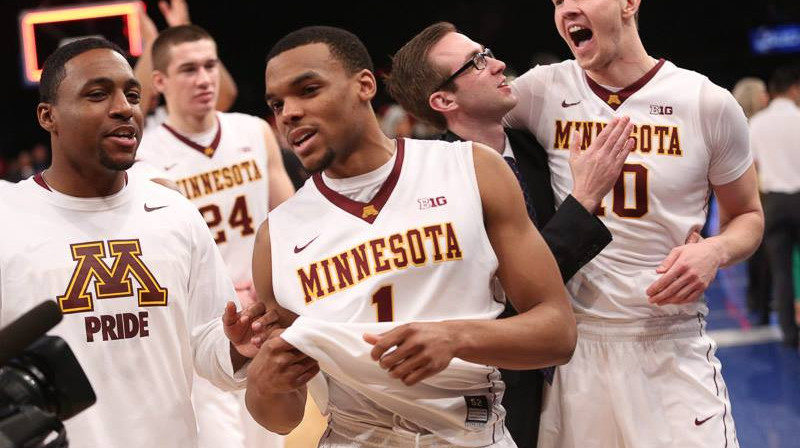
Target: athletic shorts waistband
<point x="642" y="330"/>
<point x="376" y="436"/>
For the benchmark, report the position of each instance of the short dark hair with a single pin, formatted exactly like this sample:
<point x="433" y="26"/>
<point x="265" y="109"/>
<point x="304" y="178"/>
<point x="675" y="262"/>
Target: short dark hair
<point x="54" y="72"/>
<point x="170" y="37"/>
<point x="343" y="45"/>
<point x="783" y="78"/>
<point x="414" y="77"/>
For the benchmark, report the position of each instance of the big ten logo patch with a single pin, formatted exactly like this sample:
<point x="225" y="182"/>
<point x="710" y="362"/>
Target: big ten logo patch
<point x="426" y="203"/>
<point x="660" y="110"/>
<point x="111" y="279"/>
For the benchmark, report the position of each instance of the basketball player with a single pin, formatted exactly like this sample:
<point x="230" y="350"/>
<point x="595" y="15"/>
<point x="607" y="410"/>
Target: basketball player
<point x="130" y="263"/>
<point x="230" y="166"/>
<point x="175" y="13"/>
<point x="644" y="372"/>
<point x="388" y="257"/>
<point x="445" y="78"/>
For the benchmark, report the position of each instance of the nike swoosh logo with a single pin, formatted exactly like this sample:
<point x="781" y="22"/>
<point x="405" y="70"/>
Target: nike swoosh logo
<point x="297" y="250"/>
<point x="565" y="104"/>
<point x="152" y="209"/>
<point x="169" y="167"/>
<point x="700" y="422"/>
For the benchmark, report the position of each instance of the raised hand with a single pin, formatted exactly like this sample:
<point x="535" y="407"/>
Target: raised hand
<point x="244" y="327"/>
<point x="175" y="12"/>
<point x="146" y="26"/>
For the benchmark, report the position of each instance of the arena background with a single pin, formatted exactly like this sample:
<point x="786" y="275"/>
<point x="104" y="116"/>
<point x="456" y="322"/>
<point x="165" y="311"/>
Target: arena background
<point x="709" y="36"/>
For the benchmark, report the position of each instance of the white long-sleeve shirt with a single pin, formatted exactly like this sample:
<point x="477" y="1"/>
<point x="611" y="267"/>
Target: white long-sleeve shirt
<point x="142" y="287"/>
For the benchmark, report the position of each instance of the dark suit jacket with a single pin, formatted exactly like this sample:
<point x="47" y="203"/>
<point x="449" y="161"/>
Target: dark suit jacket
<point x="575" y="236"/>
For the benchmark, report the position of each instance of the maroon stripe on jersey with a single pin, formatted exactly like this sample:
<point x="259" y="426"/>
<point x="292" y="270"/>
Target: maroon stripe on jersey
<point x="716" y="385"/>
<point x="206" y="151"/>
<point x="367" y="211"/>
<point x="615" y="99"/>
<point x="40" y="180"/>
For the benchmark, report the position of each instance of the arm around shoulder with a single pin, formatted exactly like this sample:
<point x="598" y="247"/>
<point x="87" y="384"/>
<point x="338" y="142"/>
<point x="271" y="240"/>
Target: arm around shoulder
<point x="530" y="91"/>
<point x="575" y="237"/>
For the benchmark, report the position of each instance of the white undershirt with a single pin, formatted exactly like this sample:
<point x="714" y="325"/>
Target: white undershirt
<point x="364" y="187"/>
<point x="507" y="151"/>
<point x="206" y="137"/>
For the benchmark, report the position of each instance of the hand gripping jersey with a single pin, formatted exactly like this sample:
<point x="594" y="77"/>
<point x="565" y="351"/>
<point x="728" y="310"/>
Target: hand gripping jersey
<point x="141" y="286"/>
<point x="690" y="134"/>
<point x="227" y="181"/>
<point x="418" y="251"/>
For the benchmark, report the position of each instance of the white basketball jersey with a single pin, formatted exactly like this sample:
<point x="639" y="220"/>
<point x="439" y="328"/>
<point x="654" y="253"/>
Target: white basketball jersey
<point x="141" y="286"/>
<point x="418" y="251"/>
<point x="690" y="134"/>
<point x="227" y="181"/>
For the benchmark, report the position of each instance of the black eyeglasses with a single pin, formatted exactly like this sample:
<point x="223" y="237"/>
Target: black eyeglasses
<point x="478" y="61"/>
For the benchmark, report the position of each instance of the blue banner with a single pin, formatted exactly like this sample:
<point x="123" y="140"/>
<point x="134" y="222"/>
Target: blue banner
<point x="776" y="39"/>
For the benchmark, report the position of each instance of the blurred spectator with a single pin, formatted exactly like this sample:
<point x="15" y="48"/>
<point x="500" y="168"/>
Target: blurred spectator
<point x="544" y="59"/>
<point x="40" y="154"/>
<point x="396" y="122"/>
<point x="26" y="168"/>
<point x="426" y="131"/>
<point x="751" y="94"/>
<point x="775" y="140"/>
<point x="20" y="168"/>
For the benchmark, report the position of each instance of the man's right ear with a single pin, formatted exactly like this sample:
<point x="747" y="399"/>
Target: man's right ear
<point x="442" y="101"/>
<point x="159" y="81"/>
<point x="44" y="113"/>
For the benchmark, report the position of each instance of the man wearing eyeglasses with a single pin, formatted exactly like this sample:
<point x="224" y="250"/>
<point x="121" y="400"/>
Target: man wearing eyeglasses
<point x="445" y="78"/>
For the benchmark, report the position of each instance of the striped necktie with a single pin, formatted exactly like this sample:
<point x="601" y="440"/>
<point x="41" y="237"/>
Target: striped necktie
<point x="528" y="203"/>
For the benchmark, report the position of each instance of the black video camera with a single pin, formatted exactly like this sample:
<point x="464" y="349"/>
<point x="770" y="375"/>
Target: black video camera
<point x="41" y="383"/>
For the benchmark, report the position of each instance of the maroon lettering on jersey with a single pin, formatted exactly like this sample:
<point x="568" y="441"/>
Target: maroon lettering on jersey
<point x="118" y="326"/>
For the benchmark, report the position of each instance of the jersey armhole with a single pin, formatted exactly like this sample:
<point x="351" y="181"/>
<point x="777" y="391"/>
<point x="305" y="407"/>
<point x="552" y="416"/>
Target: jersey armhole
<point x="468" y="166"/>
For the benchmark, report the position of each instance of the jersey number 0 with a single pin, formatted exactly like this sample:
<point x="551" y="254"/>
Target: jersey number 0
<point x="625" y="204"/>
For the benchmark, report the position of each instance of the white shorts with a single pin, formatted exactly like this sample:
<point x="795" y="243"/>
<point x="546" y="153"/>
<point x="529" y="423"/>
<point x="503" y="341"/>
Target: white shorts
<point x="223" y="420"/>
<point x="343" y="433"/>
<point x="651" y="383"/>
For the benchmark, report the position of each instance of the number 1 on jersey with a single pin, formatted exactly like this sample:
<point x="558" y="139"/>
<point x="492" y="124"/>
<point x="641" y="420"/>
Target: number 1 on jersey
<point x="383" y="299"/>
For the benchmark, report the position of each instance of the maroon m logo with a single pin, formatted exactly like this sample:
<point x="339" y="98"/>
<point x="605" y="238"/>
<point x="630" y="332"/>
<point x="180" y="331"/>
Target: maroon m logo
<point x="109" y="282"/>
